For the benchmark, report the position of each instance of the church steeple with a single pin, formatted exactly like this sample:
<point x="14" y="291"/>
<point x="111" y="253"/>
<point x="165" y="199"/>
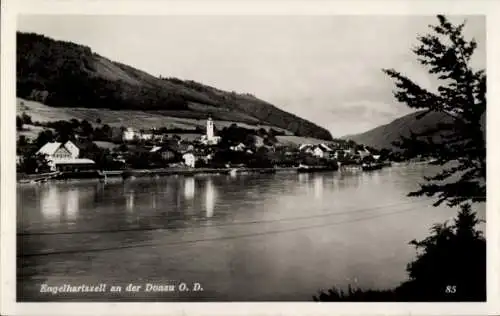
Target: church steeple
<point x="210" y="129"/>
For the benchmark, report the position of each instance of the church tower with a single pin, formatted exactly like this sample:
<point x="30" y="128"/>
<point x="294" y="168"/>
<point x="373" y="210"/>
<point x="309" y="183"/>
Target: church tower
<point x="210" y="129"/>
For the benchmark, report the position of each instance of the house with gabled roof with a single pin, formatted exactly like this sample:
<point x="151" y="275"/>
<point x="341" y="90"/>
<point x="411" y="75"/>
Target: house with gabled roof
<point x="325" y="147"/>
<point x="64" y="157"/>
<point x="304" y="147"/>
<point x="189" y="159"/>
<point x="318" y="151"/>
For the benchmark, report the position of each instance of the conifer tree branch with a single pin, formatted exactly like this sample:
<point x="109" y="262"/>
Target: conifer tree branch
<point x="461" y="97"/>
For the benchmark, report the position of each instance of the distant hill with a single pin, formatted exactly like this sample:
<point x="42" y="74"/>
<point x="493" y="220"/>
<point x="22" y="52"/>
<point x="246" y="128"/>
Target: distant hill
<point x="67" y="75"/>
<point x="383" y="136"/>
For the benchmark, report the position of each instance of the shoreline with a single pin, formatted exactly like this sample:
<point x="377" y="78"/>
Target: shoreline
<point x="162" y="172"/>
<point x="142" y="173"/>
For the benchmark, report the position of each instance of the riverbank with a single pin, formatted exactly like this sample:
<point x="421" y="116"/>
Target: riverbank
<point x="137" y="173"/>
<point x="195" y="171"/>
<point x="160" y="172"/>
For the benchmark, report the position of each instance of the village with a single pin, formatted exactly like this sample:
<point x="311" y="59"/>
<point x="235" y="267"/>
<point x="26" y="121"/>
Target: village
<point x="75" y="153"/>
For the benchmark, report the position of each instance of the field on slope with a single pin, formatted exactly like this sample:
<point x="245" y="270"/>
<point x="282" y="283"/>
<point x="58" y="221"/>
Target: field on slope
<point x="298" y="140"/>
<point x="129" y="118"/>
<point x="136" y="119"/>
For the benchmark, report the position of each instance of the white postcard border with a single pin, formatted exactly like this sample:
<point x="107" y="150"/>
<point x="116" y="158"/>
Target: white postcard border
<point x="10" y="9"/>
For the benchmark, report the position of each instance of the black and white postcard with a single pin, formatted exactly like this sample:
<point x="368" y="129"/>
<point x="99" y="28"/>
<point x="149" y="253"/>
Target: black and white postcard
<point x="300" y="155"/>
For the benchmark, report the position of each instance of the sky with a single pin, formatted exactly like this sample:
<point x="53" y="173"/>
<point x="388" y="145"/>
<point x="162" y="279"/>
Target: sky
<point x="326" y="69"/>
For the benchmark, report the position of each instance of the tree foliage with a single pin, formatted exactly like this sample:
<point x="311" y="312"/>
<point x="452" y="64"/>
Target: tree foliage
<point x="21" y="120"/>
<point x="450" y="267"/>
<point x="461" y="95"/>
<point x="19" y="123"/>
<point x="34" y="163"/>
<point x="452" y="256"/>
<point x="451" y="262"/>
<point x="63" y="74"/>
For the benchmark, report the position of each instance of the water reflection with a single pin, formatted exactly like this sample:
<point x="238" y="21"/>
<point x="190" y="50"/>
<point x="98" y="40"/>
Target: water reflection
<point x="153" y="200"/>
<point x="72" y="204"/>
<point x="130" y="197"/>
<point x="177" y="197"/>
<point x="373" y="177"/>
<point x="57" y="204"/>
<point x="189" y="188"/>
<point x="348" y="179"/>
<point x="50" y="202"/>
<point x="209" y="198"/>
<point x="318" y="186"/>
<point x="303" y="177"/>
<point x="376" y="178"/>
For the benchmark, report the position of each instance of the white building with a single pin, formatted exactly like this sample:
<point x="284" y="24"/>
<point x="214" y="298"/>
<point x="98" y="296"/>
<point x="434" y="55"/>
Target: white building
<point x="129" y="134"/>
<point x="209" y="138"/>
<point x="348" y="152"/>
<point x="210" y="129"/>
<point x="239" y="147"/>
<point x="189" y="159"/>
<point x="304" y="147"/>
<point x="364" y="153"/>
<point x="63" y="156"/>
<point x="325" y="147"/>
<point x="73" y="149"/>
<point x="314" y="150"/>
<point x="318" y="152"/>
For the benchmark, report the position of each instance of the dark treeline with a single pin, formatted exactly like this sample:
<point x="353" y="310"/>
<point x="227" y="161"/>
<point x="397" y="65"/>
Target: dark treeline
<point x="234" y="135"/>
<point x="61" y="74"/>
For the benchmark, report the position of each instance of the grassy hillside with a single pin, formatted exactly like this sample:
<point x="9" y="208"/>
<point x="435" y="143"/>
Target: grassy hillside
<point x="137" y="119"/>
<point x="383" y="136"/>
<point x="66" y="75"/>
<point x="298" y="140"/>
<point x="116" y="118"/>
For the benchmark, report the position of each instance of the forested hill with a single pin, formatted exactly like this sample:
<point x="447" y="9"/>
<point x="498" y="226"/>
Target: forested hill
<point x="384" y="136"/>
<point x="64" y="74"/>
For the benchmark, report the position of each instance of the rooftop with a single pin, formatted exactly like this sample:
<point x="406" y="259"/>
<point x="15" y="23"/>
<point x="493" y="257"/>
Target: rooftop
<point x="49" y="148"/>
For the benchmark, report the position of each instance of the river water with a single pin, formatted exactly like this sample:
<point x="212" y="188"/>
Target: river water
<point x="274" y="237"/>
